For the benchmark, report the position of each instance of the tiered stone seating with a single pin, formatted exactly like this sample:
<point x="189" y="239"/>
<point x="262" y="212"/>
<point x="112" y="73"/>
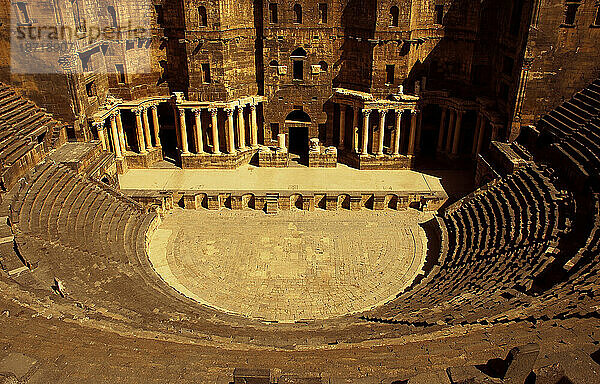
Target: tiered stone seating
<point x="575" y="125"/>
<point x="93" y="239"/>
<point x="496" y="241"/>
<point x="58" y="205"/>
<point x="493" y="246"/>
<point x="26" y="133"/>
<point x="574" y="129"/>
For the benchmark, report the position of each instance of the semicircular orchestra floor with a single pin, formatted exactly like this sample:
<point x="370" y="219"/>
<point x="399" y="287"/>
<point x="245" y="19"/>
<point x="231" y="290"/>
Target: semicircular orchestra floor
<point x="291" y="266"/>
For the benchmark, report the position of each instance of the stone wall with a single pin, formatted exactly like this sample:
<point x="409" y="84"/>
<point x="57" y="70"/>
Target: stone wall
<point x="309" y="201"/>
<point x="470" y="48"/>
<point x="563" y="58"/>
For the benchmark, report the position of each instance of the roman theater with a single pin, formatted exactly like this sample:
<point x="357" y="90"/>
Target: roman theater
<point x="295" y="191"/>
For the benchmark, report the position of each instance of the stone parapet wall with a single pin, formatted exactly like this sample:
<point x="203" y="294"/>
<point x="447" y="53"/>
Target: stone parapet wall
<point x="220" y="161"/>
<point x="268" y="157"/>
<point x="309" y="201"/>
<point x="324" y="158"/>
<point x="376" y="162"/>
<point x="143" y="160"/>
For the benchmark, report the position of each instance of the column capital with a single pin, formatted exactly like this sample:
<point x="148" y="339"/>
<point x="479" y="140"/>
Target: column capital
<point x="181" y="111"/>
<point x="229" y="111"/>
<point x="366" y="112"/>
<point x="252" y="106"/>
<point x="154" y="107"/>
<point x="137" y="111"/>
<point x="99" y="125"/>
<point x="213" y="111"/>
<point x="414" y="111"/>
<point x="382" y="111"/>
<point x="197" y="111"/>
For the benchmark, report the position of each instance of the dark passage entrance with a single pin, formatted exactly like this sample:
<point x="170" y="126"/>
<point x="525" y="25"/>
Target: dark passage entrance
<point x="168" y="136"/>
<point x="298" y="143"/>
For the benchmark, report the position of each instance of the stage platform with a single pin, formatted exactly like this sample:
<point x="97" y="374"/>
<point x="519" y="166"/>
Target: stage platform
<point x="360" y="186"/>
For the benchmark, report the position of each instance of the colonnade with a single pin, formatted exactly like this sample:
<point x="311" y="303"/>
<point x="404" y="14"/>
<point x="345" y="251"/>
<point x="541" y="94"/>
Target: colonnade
<point x="450" y="131"/>
<point x="113" y="137"/>
<point x="235" y="130"/>
<point x="361" y="145"/>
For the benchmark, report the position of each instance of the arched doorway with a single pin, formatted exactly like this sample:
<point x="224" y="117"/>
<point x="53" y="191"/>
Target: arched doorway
<point x="298" y="123"/>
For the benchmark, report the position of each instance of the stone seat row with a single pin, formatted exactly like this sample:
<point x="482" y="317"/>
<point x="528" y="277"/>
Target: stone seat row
<point x="77" y="230"/>
<point x="577" y="294"/>
<point x="495" y="242"/>
<point x="573" y="130"/>
<point x="576" y="111"/>
<point x="56" y="204"/>
<point x="26" y="132"/>
<point x="514" y="214"/>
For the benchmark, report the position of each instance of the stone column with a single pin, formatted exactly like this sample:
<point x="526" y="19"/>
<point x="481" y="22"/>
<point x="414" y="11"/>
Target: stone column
<point x="253" y="126"/>
<point x="355" y="129"/>
<point x="183" y="131"/>
<point x="440" y="141"/>
<point x="450" y="130"/>
<point x="481" y="134"/>
<point x="457" y="130"/>
<point x="476" y="135"/>
<point x="198" y="130"/>
<point x="342" y="132"/>
<point x="418" y="137"/>
<point x="495" y="129"/>
<point x="241" y="127"/>
<point x="230" y="130"/>
<point x="155" y="125"/>
<point x="101" y="137"/>
<point x="146" y="129"/>
<point x="397" y="130"/>
<point x="413" y="132"/>
<point x="115" y="137"/>
<point x="176" y="125"/>
<point x="365" y="133"/>
<point x="281" y="142"/>
<point x="382" y="113"/>
<point x="215" y="130"/>
<point x="139" y="131"/>
<point x="120" y="132"/>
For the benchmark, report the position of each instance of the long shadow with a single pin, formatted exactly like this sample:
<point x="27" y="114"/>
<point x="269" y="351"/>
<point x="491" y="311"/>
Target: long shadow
<point x="469" y="68"/>
<point x="356" y="60"/>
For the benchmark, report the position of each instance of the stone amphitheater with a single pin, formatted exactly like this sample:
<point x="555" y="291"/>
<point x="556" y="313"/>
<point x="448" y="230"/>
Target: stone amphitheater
<point x="389" y="212"/>
<point x="513" y="263"/>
